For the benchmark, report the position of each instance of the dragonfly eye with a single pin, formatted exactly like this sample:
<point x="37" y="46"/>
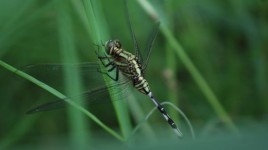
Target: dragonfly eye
<point x="109" y="46"/>
<point x="117" y="44"/>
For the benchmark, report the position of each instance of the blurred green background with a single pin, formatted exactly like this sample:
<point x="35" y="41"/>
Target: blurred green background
<point x="225" y="40"/>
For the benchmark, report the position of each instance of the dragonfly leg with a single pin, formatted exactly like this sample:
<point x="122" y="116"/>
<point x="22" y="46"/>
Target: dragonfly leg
<point x="101" y="57"/>
<point x="111" y="69"/>
<point x="111" y="63"/>
<point x="111" y="77"/>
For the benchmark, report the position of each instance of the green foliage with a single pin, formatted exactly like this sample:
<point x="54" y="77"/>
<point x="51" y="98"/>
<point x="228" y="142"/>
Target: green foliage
<point x="209" y="58"/>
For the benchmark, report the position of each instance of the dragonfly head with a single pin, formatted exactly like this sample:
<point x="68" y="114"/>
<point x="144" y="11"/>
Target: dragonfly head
<point x="112" y="45"/>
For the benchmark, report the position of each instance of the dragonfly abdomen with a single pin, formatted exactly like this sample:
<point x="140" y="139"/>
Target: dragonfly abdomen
<point x="142" y="85"/>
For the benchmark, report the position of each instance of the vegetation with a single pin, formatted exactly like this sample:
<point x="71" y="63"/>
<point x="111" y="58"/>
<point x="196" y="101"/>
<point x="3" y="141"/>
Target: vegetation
<point x="209" y="59"/>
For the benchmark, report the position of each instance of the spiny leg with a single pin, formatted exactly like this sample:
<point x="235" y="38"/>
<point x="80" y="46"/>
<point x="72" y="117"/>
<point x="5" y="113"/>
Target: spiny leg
<point x="111" y="63"/>
<point x="165" y="115"/>
<point x="111" y="77"/>
<point x="101" y="58"/>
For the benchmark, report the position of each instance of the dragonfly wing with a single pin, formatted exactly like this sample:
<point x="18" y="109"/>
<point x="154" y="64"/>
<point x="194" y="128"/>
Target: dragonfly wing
<point x="133" y="36"/>
<point x="48" y="106"/>
<point x="94" y="96"/>
<point x="56" y="67"/>
<point x="149" y="45"/>
<point x="53" y="74"/>
<point x="145" y="56"/>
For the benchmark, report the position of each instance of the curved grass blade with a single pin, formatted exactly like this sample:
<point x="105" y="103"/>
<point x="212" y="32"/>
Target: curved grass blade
<point x="199" y="79"/>
<point x="61" y="96"/>
<point x="92" y="96"/>
<point x="177" y="109"/>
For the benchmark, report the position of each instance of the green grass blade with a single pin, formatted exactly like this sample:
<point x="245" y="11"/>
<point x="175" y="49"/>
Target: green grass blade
<point x="99" y="32"/>
<point x="61" y="96"/>
<point x="72" y="78"/>
<point x="199" y="79"/>
<point x="169" y="74"/>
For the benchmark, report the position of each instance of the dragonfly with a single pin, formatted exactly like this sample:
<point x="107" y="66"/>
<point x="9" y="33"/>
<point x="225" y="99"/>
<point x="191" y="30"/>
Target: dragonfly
<point x="131" y="66"/>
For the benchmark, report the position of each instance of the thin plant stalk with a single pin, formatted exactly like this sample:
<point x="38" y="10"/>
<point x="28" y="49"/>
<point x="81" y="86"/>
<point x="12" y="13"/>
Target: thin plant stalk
<point x="169" y="73"/>
<point x="99" y="32"/>
<point x="199" y="79"/>
<point x="61" y="96"/>
<point x="72" y="78"/>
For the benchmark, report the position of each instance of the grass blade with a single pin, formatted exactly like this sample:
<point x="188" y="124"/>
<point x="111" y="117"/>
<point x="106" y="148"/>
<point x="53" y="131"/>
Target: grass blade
<point x="99" y="32"/>
<point x="72" y="78"/>
<point x="199" y="79"/>
<point x="61" y="96"/>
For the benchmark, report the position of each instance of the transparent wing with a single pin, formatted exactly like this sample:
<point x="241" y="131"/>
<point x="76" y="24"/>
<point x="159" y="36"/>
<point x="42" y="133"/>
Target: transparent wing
<point x="148" y="49"/>
<point x="91" y="97"/>
<point x="145" y="56"/>
<point x="133" y="36"/>
<point x="55" y="67"/>
<point x="52" y="74"/>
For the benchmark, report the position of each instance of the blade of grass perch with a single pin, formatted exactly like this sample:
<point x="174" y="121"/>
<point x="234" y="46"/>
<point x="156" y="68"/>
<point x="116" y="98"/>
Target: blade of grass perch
<point x="135" y="107"/>
<point x="72" y="78"/>
<point x="199" y="79"/>
<point x="99" y="32"/>
<point x="61" y="96"/>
